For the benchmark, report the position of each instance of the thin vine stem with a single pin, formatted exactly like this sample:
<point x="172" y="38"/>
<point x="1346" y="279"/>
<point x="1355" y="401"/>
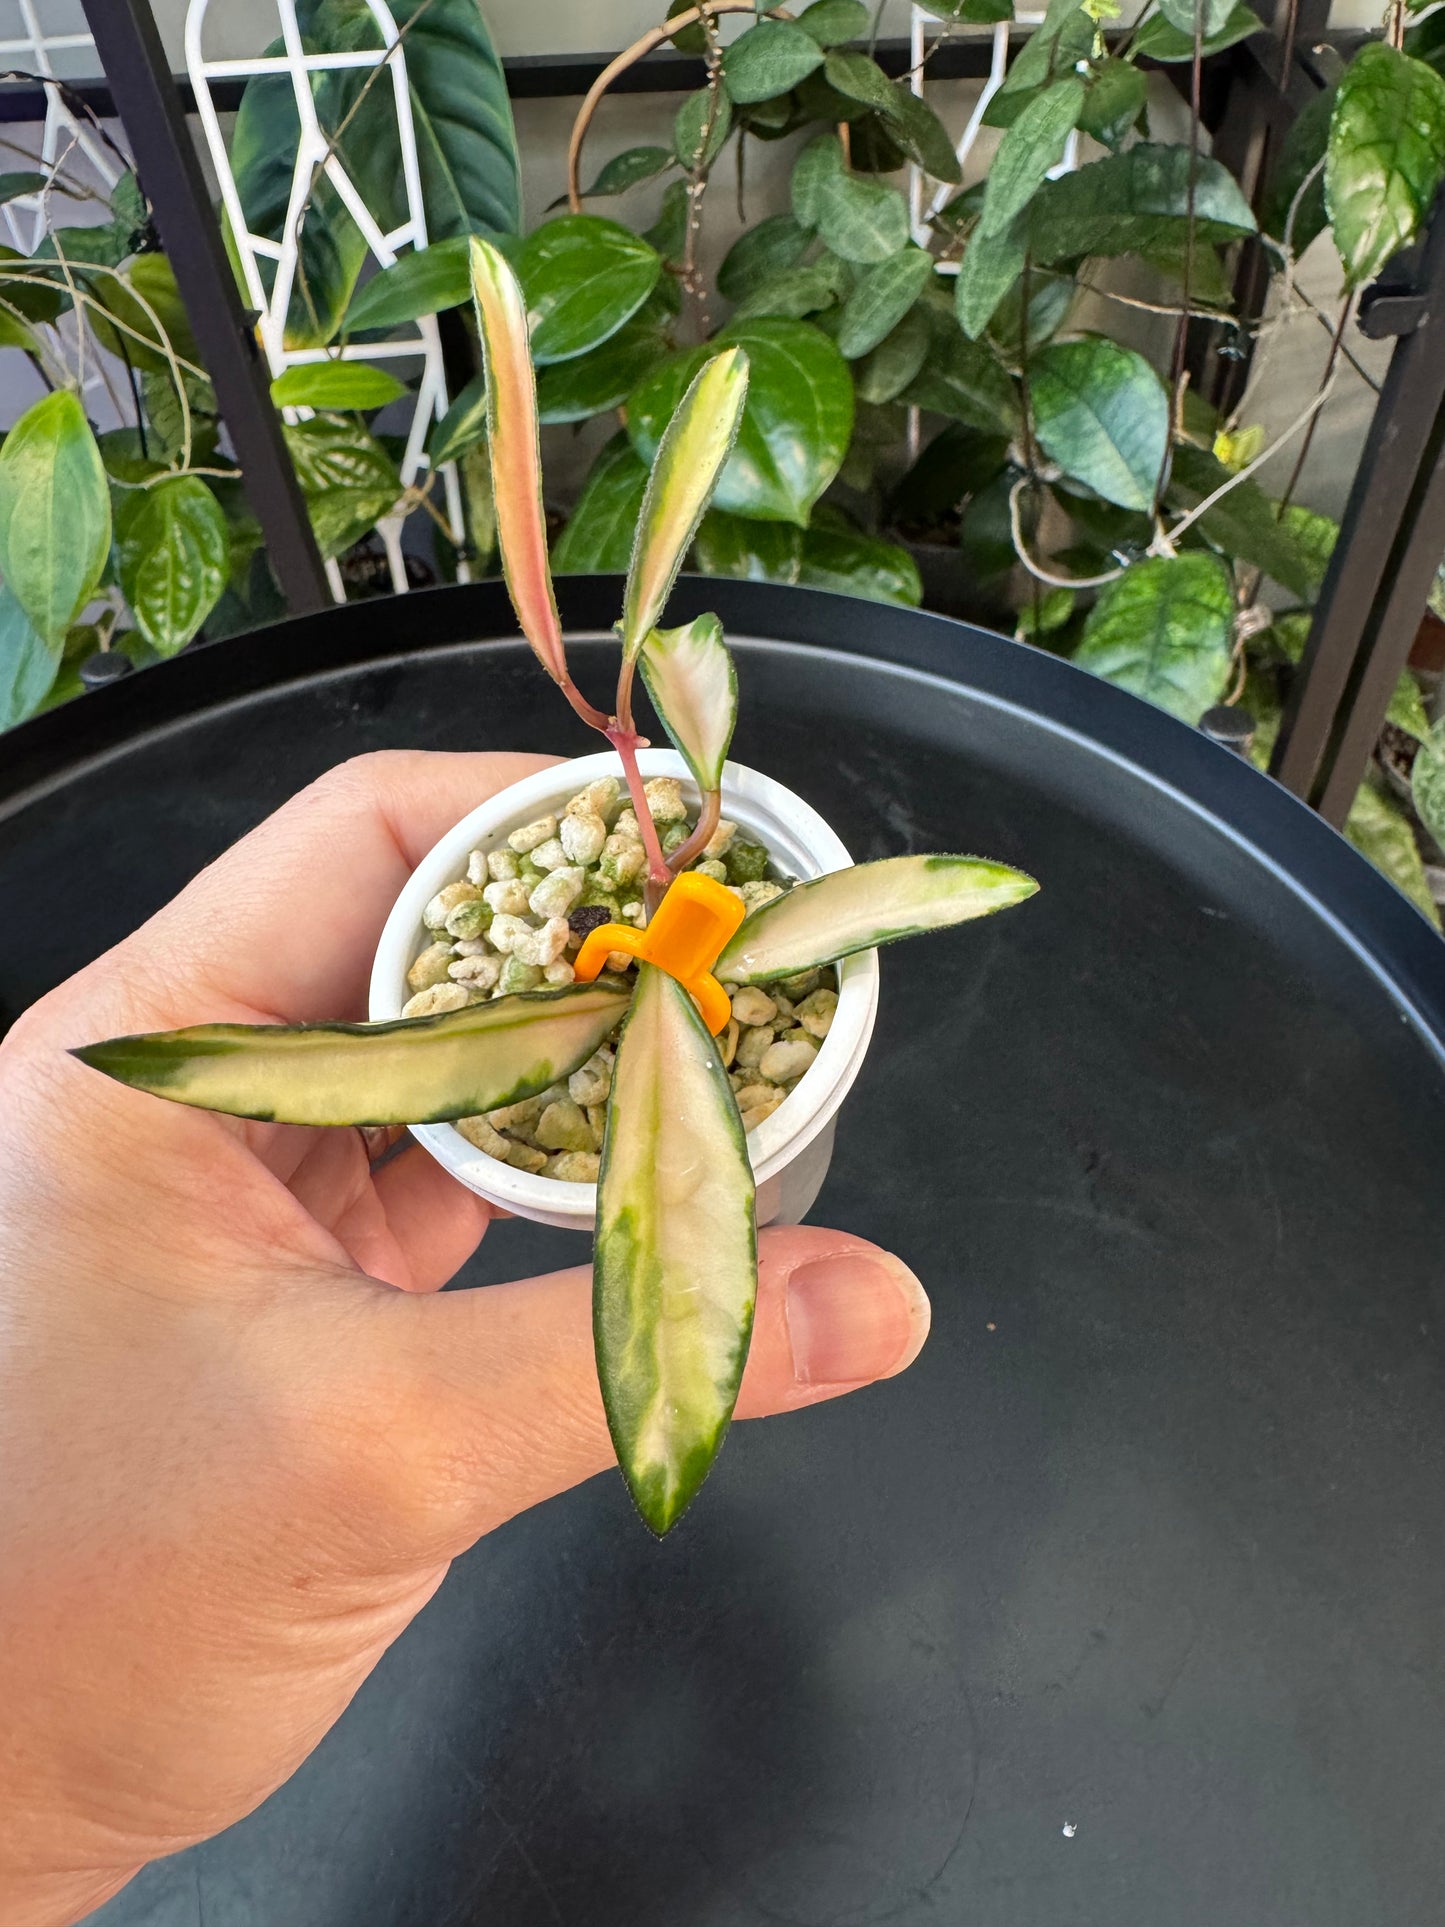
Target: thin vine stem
<point x="1179" y="372"/>
<point x="1037" y="569"/>
<point x="1327" y="382"/>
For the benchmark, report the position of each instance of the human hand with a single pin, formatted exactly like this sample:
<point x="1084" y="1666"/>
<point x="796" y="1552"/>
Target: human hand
<point x="242" y="1438"/>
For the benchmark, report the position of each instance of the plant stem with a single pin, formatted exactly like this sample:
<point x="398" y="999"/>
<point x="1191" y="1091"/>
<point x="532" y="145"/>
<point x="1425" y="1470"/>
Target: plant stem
<point x="1347" y="308"/>
<point x="1179" y="373"/>
<point x="590" y="715"/>
<point x="627" y="743"/>
<point x="707" y="822"/>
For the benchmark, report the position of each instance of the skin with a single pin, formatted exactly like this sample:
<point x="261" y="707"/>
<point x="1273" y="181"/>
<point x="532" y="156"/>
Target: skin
<point x="242" y="1435"/>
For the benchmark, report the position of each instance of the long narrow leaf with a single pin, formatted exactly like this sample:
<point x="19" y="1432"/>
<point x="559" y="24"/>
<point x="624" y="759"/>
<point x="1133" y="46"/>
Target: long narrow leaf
<point x="857" y="909"/>
<point x="694" y="689"/>
<point x="675" y="1274"/>
<point x="516" y="456"/>
<point x="689" y="460"/>
<point x="418" y="1070"/>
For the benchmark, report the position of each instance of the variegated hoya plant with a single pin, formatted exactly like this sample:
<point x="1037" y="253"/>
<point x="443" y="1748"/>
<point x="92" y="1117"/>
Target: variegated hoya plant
<point x="676" y="1243"/>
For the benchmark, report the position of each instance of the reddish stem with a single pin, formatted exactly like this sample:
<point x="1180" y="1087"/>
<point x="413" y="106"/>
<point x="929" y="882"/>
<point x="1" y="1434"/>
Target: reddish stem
<point x="593" y="718"/>
<point x="627" y="743"/>
<point x="707" y="822"/>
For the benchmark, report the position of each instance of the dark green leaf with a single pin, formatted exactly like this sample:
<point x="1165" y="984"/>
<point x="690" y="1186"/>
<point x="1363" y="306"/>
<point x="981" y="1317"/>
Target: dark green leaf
<point x="124" y="457"/>
<point x="761" y="252"/>
<point x="145" y="299"/>
<point x="1385" y="158"/>
<point x="831" y="21"/>
<point x="687" y="40"/>
<point x="1159" y="39"/>
<point x="1163" y="631"/>
<point x="1426" y="41"/>
<point x="173" y="548"/>
<point x="1114" y="102"/>
<point x="335" y="384"/>
<point x="703" y="123"/>
<point x="817" y="167"/>
<point x="962" y="379"/>
<point x="54" y="513"/>
<point x="1302" y="152"/>
<point x="1032" y="145"/>
<point x="883" y="374"/>
<point x="1314" y="533"/>
<point x="922" y="134"/>
<point x="1203" y="17"/>
<point x="423" y="282"/>
<point x="957" y="463"/>
<point x="770" y="120"/>
<point x="27" y="666"/>
<point x="628" y="169"/>
<point x="1133" y="201"/>
<point x="668" y="233"/>
<point x="978" y="13"/>
<point x="861" y="220"/>
<point x="795" y="428"/>
<point x="991" y="265"/>
<point x="104" y="245"/>
<point x="347" y="477"/>
<point x="463" y="425"/>
<point x="985" y="538"/>
<point x="1244" y="523"/>
<point x="1051" y="295"/>
<point x="14" y="186"/>
<point x="583" y="277"/>
<point x="35" y="303"/>
<point x="1066" y="35"/>
<point x="751" y="550"/>
<point x="769" y="59"/>
<point x="820" y="558"/>
<point x="167" y="425"/>
<point x="861" y="79"/>
<point x="1051" y="611"/>
<point x="1102" y="414"/>
<point x="128" y="204"/>
<point x="796" y="292"/>
<point x="599" y="534"/>
<point x="874" y="144"/>
<point x="573" y="391"/>
<point x="881" y="297"/>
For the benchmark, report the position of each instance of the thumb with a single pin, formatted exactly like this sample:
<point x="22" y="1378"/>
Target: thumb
<point x="503" y="1389"/>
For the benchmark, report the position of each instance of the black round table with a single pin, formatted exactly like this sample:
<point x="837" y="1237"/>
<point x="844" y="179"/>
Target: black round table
<point x="1126" y="1606"/>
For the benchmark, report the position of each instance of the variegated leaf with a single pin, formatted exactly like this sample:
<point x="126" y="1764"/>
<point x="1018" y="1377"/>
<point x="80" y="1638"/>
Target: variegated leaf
<point x="694" y="689"/>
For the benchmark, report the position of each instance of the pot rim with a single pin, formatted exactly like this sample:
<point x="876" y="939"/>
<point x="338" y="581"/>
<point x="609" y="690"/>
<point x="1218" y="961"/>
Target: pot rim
<point x="756" y="802"/>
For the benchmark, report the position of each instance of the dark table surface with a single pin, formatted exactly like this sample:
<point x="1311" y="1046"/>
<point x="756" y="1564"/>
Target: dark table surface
<point x="1126" y="1606"/>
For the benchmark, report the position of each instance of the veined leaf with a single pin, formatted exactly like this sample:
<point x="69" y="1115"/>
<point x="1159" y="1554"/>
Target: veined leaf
<point x="991" y="265"/>
<point x="885" y="371"/>
<point x="1160" y="39"/>
<point x="1245" y="524"/>
<point x="695" y="444"/>
<point x="590" y="384"/>
<point x="760" y="253"/>
<point x="702" y="125"/>
<point x="1102" y="414"/>
<point x="173" y="548"/>
<point x="1030" y="147"/>
<point x="601" y="530"/>
<point x="1427" y="783"/>
<point x="796" y="293"/>
<point x="414" y="1070"/>
<point x="675" y="1272"/>
<point x="693" y="684"/>
<point x="347" y="477"/>
<point x="817" y="167"/>
<point x="516" y="455"/>
<point x="54" y="513"/>
<point x="862" y="907"/>
<point x="1130" y="202"/>
<point x="862" y="220"/>
<point x="1202" y="17"/>
<point x="831" y="21"/>
<point x="963" y="380"/>
<point x="1385" y="158"/>
<point x="881" y="297"/>
<point x="629" y="169"/>
<point x="840" y="559"/>
<point x="795" y="427"/>
<point x="769" y="59"/>
<point x="1163" y="631"/>
<point x="1114" y="102"/>
<point x="583" y="277"/>
<point x="1065" y="36"/>
<point x="335" y="384"/>
<point x="1300" y="155"/>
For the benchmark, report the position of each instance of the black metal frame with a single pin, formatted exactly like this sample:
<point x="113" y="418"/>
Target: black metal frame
<point x="1393" y="534"/>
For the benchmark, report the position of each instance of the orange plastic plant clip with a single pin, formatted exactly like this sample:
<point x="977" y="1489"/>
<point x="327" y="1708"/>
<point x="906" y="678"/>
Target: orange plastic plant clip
<point x="685" y="938"/>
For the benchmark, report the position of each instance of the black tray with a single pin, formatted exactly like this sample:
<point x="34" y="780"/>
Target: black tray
<point x="1124" y="1608"/>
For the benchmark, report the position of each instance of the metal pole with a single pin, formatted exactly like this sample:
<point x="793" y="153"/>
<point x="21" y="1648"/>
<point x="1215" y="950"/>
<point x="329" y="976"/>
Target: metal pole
<point x="1390" y="544"/>
<point x="145" y="95"/>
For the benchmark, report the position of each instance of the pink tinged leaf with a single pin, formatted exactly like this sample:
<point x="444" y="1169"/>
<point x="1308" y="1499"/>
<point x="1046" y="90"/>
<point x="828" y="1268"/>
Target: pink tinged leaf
<point x="516" y="457"/>
<point x="690" y="458"/>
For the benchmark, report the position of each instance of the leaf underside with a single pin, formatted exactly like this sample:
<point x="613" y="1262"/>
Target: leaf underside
<point x="675" y="1271"/>
<point x="869" y="904"/>
<point x="419" y="1070"/>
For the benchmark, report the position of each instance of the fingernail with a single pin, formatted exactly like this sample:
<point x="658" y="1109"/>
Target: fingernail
<point x="859" y="1316"/>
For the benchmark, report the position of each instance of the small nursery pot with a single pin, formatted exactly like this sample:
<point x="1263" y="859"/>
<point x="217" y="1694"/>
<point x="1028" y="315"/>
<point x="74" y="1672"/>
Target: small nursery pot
<point x="790" y="1150"/>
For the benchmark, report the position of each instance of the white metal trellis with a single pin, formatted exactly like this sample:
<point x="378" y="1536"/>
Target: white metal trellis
<point x="921" y="216"/>
<point x="32" y="50"/>
<point x="314" y="157"/>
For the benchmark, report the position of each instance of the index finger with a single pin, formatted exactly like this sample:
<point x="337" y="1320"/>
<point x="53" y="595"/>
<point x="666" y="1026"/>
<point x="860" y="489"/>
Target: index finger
<point x="283" y="926"/>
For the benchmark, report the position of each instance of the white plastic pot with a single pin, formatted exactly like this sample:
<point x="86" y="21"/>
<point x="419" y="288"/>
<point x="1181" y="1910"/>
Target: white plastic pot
<point x="790" y="1150"/>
